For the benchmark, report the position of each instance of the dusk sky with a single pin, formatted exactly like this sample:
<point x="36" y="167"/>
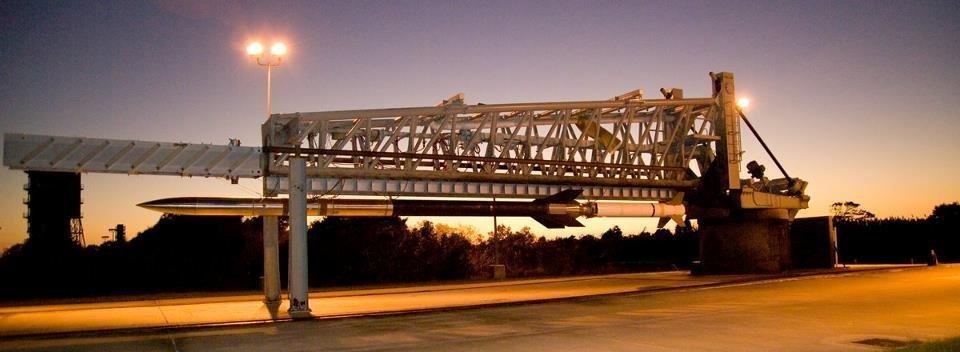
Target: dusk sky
<point x="856" y="97"/>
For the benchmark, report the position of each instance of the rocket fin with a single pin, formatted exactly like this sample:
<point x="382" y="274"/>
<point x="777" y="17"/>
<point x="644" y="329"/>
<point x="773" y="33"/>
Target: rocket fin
<point x="663" y="222"/>
<point x="557" y="221"/>
<point x="562" y="197"/>
<point x="678" y="219"/>
<point x="677" y="199"/>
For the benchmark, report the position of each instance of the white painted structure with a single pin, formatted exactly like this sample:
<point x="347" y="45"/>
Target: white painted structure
<point x="625" y="148"/>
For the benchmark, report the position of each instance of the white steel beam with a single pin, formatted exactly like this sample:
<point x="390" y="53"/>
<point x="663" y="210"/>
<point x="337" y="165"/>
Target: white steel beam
<point x="74" y="154"/>
<point x="485" y="108"/>
<point x="320" y="186"/>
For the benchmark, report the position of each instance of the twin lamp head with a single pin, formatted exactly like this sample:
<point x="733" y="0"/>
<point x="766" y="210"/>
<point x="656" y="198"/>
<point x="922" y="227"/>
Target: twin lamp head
<point x="256" y="49"/>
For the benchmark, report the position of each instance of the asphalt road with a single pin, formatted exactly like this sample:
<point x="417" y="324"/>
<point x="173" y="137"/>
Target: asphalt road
<point x="807" y="314"/>
<point x="201" y="309"/>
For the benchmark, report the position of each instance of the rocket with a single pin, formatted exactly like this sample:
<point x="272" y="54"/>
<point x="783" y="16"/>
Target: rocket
<point x="556" y="211"/>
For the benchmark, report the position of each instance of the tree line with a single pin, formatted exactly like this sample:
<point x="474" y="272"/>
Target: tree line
<point x="183" y="253"/>
<point x="863" y="238"/>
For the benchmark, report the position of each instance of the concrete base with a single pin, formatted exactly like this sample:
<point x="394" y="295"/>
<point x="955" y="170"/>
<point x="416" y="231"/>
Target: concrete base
<point x="300" y="314"/>
<point x="743" y="246"/>
<point x="813" y="243"/>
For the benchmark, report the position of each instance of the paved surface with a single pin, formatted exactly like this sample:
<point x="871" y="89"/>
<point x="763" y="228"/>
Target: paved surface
<point x="167" y="313"/>
<point x="807" y="314"/>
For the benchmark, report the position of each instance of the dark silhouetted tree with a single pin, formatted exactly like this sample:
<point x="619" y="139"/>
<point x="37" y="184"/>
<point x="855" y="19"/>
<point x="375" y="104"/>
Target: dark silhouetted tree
<point x="850" y="211"/>
<point x="946" y="213"/>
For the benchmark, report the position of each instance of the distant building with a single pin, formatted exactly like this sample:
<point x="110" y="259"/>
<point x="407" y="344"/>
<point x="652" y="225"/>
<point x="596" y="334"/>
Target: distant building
<point x="53" y="210"/>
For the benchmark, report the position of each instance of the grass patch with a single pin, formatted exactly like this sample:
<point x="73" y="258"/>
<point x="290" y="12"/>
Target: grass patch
<point x="946" y="345"/>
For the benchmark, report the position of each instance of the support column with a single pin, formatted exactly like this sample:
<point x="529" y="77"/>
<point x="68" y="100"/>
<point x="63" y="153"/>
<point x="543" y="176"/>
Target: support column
<point x="728" y="148"/>
<point x="298" y="286"/>
<point x="747" y="243"/>
<point x="271" y="260"/>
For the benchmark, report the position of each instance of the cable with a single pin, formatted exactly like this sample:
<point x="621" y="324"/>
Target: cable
<point x="762" y="143"/>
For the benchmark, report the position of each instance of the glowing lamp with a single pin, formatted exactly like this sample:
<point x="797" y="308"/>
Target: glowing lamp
<point x="278" y="49"/>
<point x="743" y="103"/>
<point x="255" y="49"/>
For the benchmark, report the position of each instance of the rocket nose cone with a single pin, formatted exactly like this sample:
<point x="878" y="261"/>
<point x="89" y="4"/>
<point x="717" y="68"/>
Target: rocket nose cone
<point x="147" y="204"/>
<point x="180" y="206"/>
<point x="152" y="203"/>
<point x="167" y="203"/>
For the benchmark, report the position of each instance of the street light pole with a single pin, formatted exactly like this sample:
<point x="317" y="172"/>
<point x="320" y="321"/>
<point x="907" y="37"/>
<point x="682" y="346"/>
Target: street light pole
<point x="271" y="60"/>
<point x="269" y="68"/>
<point x="271" y="224"/>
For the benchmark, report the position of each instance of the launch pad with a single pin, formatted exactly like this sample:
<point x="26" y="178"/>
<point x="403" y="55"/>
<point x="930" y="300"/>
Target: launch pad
<point x="682" y="154"/>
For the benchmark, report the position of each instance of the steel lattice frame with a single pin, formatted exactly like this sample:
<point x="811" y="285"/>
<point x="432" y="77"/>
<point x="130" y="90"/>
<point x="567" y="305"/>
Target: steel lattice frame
<point x="625" y="142"/>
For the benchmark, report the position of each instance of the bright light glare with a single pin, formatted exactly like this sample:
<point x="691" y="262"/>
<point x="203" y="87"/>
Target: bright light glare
<point x="278" y="49"/>
<point x="255" y="49"/>
<point x="743" y="103"/>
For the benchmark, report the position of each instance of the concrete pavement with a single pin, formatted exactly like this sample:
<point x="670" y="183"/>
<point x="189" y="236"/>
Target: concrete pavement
<point x="179" y="312"/>
<point x="826" y="313"/>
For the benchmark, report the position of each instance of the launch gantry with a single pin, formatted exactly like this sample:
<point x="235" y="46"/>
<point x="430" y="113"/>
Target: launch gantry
<point x="628" y="148"/>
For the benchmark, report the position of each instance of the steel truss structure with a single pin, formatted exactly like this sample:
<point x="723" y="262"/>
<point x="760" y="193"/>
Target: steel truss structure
<point x="625" y="148"/>
<point x="628" y="147"/>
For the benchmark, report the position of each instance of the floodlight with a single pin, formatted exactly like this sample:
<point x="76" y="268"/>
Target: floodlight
<point x="743" y="103"/>
<point x="278" y="49"/>
<point x="255" y="49"/>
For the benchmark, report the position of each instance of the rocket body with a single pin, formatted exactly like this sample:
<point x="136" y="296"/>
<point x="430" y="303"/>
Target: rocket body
<point x="556" y="211"/>
<point x="344" y="207"/>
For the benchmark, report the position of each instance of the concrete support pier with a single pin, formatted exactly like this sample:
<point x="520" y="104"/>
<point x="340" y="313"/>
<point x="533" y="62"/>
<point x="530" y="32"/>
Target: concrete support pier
<point x="271" y="260"/>
<point x="298" y="285"/>
<point x="752" y="242"/>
